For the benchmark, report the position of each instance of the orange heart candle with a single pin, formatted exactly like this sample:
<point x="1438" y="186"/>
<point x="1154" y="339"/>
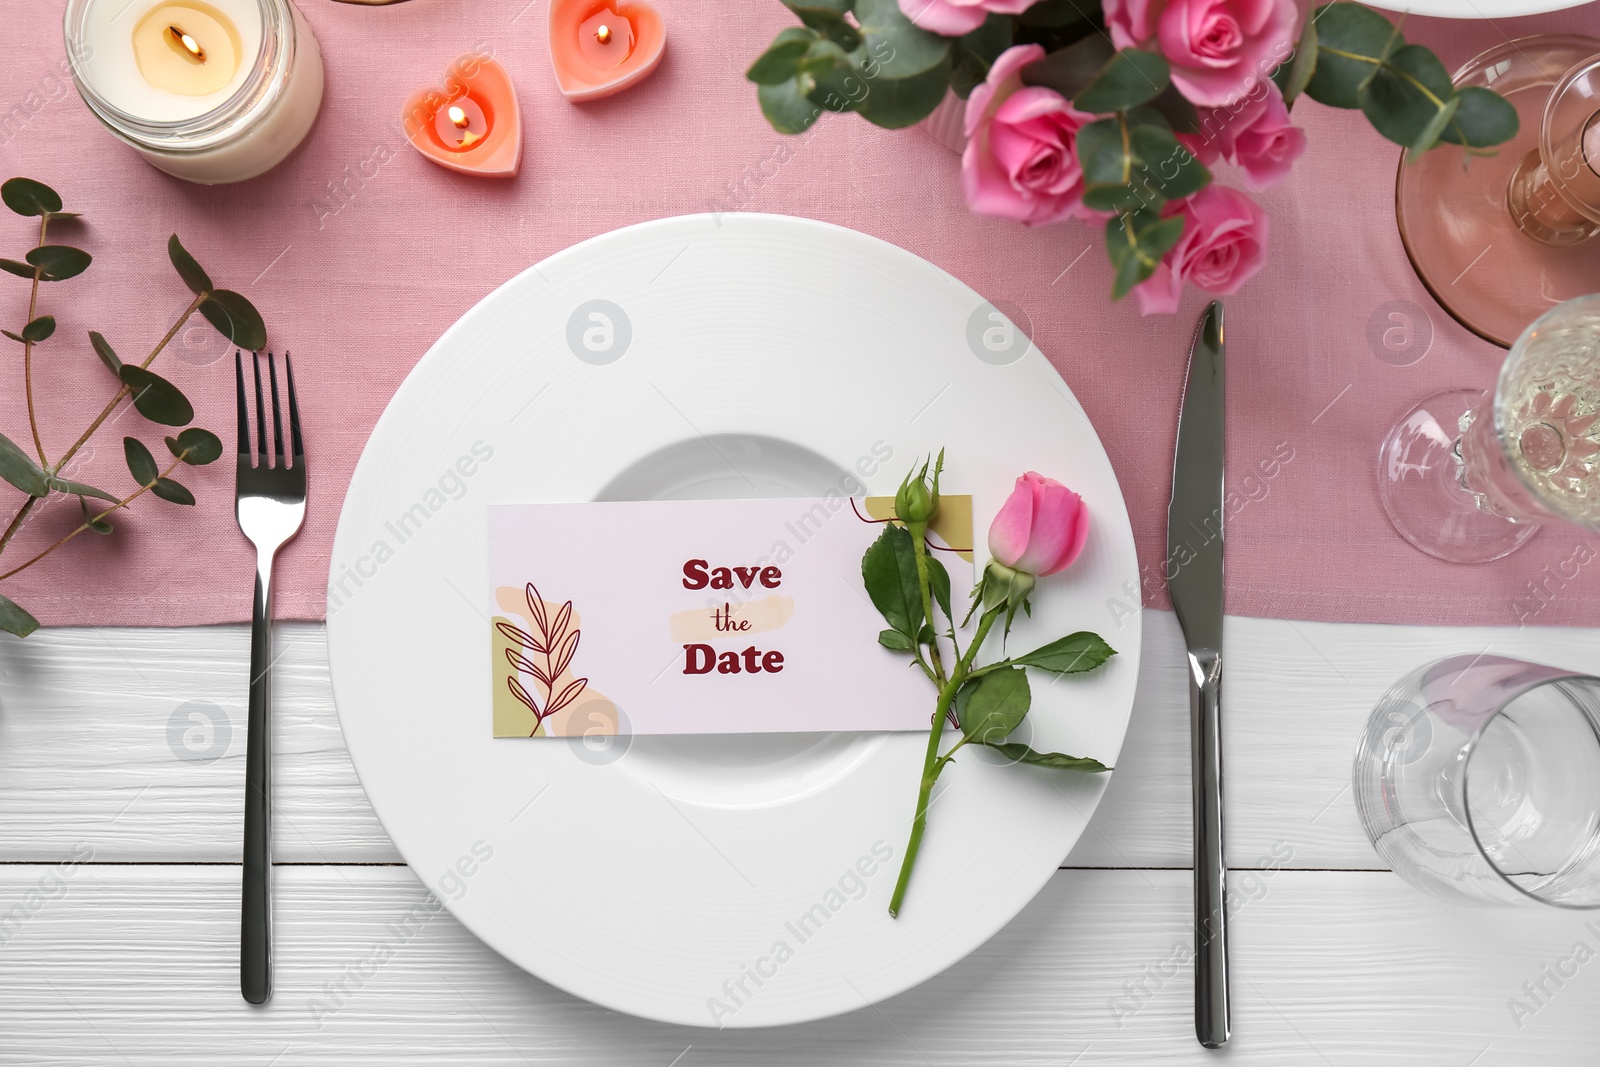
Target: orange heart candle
<point x="599" y="47"/>
<point x="472" y="125"/>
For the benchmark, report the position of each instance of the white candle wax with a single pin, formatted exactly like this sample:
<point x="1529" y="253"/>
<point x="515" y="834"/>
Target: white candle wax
<point x="210" y="91"/>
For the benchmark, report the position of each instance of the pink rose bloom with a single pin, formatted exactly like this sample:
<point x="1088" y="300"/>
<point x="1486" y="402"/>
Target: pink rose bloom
<point x="1255" y="133"/>
<point x="1041" y="527"/>
<point x="1217" y="48"/>
<point x="1019" y="161"/>
<point x="952" y="18"/>
<point x="1224" y="242"/>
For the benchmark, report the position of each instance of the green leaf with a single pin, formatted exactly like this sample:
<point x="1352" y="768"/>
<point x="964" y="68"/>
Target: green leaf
<point x="998" y="703"/>
<point x="1069" y="70"/>
<point x="835" y="83"/>
<point x="79" y="489"/>
<point x="939" y="585"/>
<point x="15" y="336"/>
<point x="1483" y="119"/>
<point x="141" y="464"/>
<point x="193" y="275"/>
<point x="1018" y="753"/>
<point x="93" y="521"/>
<point x="1293" y="76"/>
<point x="201" y="446"/>
<point x="781" y="60"/>
<point x="974" y="53"/>
<point x="905" y="70"/>
<point x="103" y="349"/>
<point x="1082" y="651"/>
<point x="1135" y="242"/>
<point x="805" y="9"/>
<point x="1351" y="41"/>
<point x="28" y="197"/>
<point x="889" y="572"/>
<point x="21" y="270"/>
<point x="236" y="319"/>
<point x="786" y="106"/>
<point x="1135" y="161"/>
<point x="156" y="398"/>
<point x="1180" y="114"/>
<point x="897" y="103"/>
<point x="40" y="328"/>
<point x="1129" y="78"/>
<point x="1406" y="94"/>
<point x="59" y="262"/>
<point x="14" y="619"/>
<point x="21" y="471"/>
<point x="895" y="639"/>
<point x="1429" y="137"/>
<point x="167" y="489"/>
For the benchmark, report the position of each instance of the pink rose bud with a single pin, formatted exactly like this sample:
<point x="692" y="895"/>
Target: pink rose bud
<point x="1041" y="528"/>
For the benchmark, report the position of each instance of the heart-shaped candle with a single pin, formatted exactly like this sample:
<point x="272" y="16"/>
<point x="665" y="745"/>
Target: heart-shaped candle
<point x="472" y="125"/>
<point x="599" y="47"/>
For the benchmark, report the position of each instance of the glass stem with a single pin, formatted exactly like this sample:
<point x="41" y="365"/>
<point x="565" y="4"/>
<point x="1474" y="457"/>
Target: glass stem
<point x="1540" y="210"/>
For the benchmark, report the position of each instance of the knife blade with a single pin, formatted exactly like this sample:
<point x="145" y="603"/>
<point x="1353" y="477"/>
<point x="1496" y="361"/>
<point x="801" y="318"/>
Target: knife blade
<point x="1194" y="569"/>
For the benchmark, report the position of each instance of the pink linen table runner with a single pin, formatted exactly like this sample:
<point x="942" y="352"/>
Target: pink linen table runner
<point x="360" y="253"/>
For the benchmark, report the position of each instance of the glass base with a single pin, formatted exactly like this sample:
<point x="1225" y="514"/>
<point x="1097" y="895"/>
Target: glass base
<point x="1453" y="215"/>
<point x="1422" y="493"/>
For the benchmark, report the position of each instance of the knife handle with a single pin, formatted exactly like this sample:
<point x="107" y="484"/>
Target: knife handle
<point x="1210" y="866"/>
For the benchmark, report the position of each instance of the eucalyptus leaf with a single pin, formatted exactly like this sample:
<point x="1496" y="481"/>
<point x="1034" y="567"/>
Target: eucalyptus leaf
<point x="197" y="446"/>
<point x="835" y="83"/>
<point x="79" y="489"/>
<point x="141" y="464"/>
<point x="14" y="619"/>
<point x="997" y="705"/>
<point x="21" y="270"/>
<point x="107" y="354"/>
<point x="1019" y="753"/>
<point x="785" y="106"/>
<point x="781" y="60"/>
<point x="1351" y="41"/>
<point x="14" y="336"/>
<point x="1180" y="114"/>
<point x="39" y="329"/>
<point x="167" y="489"/>
<point x="21" y="471"/>
<point x="59" y="262"/>
<point x="193" y="275"/>
<point x="1406" y="93"/>
<point x="1293" y="75"/>
<point x="1082" y="651"/>
<point x="1483" y="119"/>
<point x="1070" y="70"/>
<point x="156" y="398"/>
<point x="1135" y="162"/>
<point x="974" y="53"/>
<point x="893" y="47"/>
<point x="28" y="197"/>
<point x="1129" y="78"/>
<point x="894" y="639"/>
<point x="1429" y="137"/>
<point x="93" y="521"/>
<point x="236" y="319"/>
<point x="889" y="572"/>
<point x="1135" y="243"/>
<point x="895" y="103"/>
<point x="819" y="8"/>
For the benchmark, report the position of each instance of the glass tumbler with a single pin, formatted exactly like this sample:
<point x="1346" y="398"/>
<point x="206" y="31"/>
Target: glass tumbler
<point x="1477" y="779"/>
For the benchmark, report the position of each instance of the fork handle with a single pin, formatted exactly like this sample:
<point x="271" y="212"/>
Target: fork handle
<point x="255" y="928"/>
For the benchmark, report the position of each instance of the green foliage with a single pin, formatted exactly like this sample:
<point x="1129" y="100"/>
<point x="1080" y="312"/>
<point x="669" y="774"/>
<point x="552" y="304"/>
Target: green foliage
<point x="28" y="197"/>
<point x="39" y="329"/>
<point x="994" y="705"/>
<point x="193" y="275"/>
<point x="14" y="619"/>
<point x="59" y="262"/>
<point x="141" y="464"/>
<point x="18" y="468"/>
<point x="236" y="319"/>
<point x="107" y="354"/>
<point x="156" y="398"/>
<point x="1082" y="651"/>
<point x="889" y="572"/>
<point x="195" y="446"/>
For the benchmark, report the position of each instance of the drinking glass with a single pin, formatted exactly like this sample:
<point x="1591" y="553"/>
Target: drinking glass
<point x="1469" y="477"/>
<point x="1478" y="780"/>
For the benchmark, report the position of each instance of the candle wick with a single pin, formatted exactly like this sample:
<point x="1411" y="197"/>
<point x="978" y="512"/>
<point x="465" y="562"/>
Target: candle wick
<point x="603" y="34"/>
<point x="190" y="46"/>
<point x="459" y="118"/>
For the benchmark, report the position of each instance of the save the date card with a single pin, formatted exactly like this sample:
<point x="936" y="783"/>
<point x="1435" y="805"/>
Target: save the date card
<point x="700" y="617"/>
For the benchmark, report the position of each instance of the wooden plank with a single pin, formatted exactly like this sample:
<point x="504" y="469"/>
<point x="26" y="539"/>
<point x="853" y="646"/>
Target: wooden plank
<point x="87" y="738"/>
<point x="137" y="965"/>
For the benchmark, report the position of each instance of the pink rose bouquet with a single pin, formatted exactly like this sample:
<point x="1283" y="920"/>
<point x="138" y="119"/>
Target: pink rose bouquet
<point x="1115" y="111"/>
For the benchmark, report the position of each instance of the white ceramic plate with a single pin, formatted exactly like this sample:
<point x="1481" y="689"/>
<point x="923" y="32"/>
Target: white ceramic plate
<point x="1476" y="9"/>
<point x="747" y="355"/>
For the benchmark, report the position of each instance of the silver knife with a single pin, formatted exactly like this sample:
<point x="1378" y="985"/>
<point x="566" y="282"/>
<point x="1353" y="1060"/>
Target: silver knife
<point x="1194" y="562"/>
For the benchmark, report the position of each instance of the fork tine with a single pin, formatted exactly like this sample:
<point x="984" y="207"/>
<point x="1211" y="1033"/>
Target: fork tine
<point x="294" y="413"/>
<point x="261" y="417"/>
<point x="244" y="411"/>
<point x="277" y="415"/>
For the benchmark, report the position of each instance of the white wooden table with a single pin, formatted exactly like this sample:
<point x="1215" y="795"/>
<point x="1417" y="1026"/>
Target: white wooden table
<point x="119" y="889"/>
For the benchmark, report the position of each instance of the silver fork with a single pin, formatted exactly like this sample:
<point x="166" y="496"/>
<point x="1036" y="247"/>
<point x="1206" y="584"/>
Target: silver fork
<point x="271" y="505"/>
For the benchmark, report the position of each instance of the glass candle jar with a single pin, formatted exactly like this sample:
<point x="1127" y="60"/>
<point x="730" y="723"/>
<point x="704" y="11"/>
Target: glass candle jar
<point x="210" y="91"/>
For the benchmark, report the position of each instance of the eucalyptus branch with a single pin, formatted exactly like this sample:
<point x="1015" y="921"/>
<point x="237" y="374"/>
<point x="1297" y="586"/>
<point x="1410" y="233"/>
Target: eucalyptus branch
<point x="27" y="350"/>
<point x="16" y="521"/>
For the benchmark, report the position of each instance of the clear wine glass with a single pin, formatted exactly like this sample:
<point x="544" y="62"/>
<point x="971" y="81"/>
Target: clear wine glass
<point x="1470" y="477"/>
<point x="1477" y="779"/>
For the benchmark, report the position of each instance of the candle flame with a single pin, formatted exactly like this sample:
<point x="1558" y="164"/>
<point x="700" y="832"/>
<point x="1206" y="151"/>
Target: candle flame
<point x="603" y="34"/>
<point x="190" y="46"/>
<point x="459" y="118"/>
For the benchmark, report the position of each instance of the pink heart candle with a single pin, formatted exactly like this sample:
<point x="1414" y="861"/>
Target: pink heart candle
<point x="600" y="47"/>
<point x="473" y="124"/>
